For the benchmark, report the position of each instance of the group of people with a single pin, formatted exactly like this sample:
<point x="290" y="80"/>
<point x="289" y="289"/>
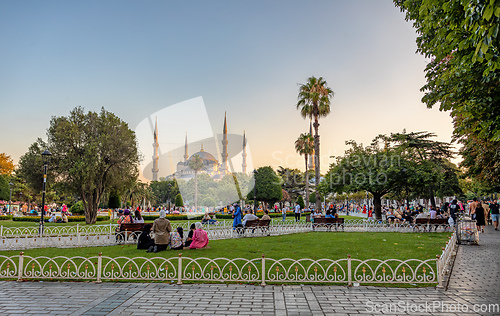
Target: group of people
<point x="164" y="237"/>
<point x="239" y="222"/>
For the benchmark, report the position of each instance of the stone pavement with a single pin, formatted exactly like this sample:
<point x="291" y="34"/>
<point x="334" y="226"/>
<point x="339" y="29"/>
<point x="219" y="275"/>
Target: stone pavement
<point x="473" y="290"/>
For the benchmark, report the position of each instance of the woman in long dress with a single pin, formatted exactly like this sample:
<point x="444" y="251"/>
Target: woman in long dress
<point x="480" y="218"/>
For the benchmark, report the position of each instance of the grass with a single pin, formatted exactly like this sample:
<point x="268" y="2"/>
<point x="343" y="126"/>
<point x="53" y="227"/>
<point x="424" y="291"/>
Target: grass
<point x="314" y="245"/>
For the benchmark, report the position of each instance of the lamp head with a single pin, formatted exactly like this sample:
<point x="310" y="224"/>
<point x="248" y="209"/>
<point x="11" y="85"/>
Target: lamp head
<point x="46" y="156"/>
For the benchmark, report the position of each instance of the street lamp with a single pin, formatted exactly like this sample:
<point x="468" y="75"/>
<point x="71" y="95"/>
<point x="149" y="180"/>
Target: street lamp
<point x="255" y="190"/>
<point x="45" y="158"/>
<point x="10" y="197"/>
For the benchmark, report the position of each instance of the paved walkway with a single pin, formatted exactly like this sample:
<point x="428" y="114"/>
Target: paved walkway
<point x="469" y="293"/>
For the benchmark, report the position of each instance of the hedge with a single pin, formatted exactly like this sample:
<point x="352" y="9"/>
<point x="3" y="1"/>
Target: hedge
<point x="70" y="218"/>
<point x="5" y="217"/>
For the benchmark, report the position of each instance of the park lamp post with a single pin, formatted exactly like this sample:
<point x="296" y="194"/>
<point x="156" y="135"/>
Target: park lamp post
<point x="45" y="158"/>
<point x="255" y="190"/>
<point x="10" y="197"/>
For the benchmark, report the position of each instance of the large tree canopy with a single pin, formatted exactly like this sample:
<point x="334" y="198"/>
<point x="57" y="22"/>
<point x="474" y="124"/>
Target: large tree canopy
<point x="462" y="39"/>
<point x="6" y="164"/>
<point x="268" y="186"/>
<point x="91" y="153"/>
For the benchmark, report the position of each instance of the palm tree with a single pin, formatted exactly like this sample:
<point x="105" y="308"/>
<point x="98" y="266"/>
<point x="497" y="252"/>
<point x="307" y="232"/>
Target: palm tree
<point x="304" y="145"/>
<point x="314" y="102"/>
<point x="196" y="164"/>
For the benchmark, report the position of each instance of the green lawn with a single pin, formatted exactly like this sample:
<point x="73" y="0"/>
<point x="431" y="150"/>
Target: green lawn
<point x="314" y="245"/>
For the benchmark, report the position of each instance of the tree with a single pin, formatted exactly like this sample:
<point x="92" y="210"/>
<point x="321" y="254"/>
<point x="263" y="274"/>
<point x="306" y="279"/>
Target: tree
<point x="4" y="187"/>
<point x="314" y="102"/>
<point x="300" y="201"/>
<point x="114" y="200"/>
<point x="268" y="186"/>
<point x="292" y="180"/>
<point x="463" y="40"/>
<point x="6" y="165"/>
<point x="430" y="159"/>
<point x="91" y="153"/>
<point x="178" y="200"/>
<point x="304" y="145"/>
<point x="196" y="164"/>
<point x="373" y="168"/>
<point x="164" y="191"/>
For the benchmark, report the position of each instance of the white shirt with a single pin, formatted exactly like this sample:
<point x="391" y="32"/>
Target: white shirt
<point x="297" y="208"/>
<point x="249" y="217"/>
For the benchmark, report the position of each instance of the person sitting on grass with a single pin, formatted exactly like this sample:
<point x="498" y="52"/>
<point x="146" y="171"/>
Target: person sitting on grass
<point x="145" y="241"/>
<point x="189" y="238"/>
<point x="161" y="231"/>
<point x="176" y="239"/>
<point x="200" y="237"/>
<point x="207" y="220"/>
<point x="266" y="216"/>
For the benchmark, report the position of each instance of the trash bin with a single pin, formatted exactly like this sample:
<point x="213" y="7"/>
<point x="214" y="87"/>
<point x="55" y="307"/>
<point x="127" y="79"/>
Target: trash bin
<point x="467" y="232"/>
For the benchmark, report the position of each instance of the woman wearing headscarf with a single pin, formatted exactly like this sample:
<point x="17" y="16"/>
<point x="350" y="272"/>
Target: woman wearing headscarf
<point x="200" y="237"/>
<point x="145" y="241"/>
<point x="161" y="231"/>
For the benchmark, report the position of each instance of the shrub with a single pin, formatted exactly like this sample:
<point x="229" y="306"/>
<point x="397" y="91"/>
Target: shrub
<point x="70" y="218"/>
<point x="178" y="200"/>
<point x="77" y="208"/>
<point x="5" y="217"/>
<point x="300" y="200"/>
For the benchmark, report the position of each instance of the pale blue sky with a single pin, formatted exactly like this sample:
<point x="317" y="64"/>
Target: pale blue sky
<point x="244" y="57"/>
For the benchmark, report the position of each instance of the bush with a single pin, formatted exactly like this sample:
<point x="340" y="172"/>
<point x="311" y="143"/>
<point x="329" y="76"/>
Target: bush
<point x="5" y="217"/>
<point x="77" y="208"/>
<point x="300" y="200"/>
<point x="177" y="217"/>
<point x="178" y="200"/>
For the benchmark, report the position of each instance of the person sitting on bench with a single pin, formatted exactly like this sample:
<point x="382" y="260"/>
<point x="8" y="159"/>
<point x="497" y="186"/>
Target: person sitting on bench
<point x="266" y="216"/>
<point x="249" y="217"/>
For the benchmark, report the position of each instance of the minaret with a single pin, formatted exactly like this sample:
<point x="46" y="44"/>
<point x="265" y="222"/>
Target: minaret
<point x="244" y="155"/>
<point x="156" y="155"/>
<point x="186" y="156"/>
<point x="224" y="147"/>
<point x="311" y="157"/>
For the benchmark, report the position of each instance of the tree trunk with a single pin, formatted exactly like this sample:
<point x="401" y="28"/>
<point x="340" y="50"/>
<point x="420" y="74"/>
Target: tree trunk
<point x="307" y="184"/>
<point x="377" y="205"/>
<point x="316" y="162"/>
<point x="431" y="198"/>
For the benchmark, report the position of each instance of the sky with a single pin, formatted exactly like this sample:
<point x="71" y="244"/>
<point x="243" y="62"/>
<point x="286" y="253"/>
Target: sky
<point x="244" y="58"/>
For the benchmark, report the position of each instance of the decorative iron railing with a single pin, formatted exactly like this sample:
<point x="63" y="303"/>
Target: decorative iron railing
<point x="262" y="270"/>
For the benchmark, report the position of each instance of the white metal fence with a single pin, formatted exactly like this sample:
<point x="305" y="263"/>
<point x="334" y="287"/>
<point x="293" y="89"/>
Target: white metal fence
<point x="257" y="271"/>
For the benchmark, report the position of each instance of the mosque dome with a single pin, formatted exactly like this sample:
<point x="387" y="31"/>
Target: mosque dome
<point x="208" y="159"/>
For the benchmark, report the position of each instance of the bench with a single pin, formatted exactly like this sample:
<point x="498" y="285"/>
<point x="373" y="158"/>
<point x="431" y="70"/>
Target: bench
<point x="124" y="230"/>
<point x="328" y="222"/>
<point x="431" y="223"/>
<point x="262" y="225"/>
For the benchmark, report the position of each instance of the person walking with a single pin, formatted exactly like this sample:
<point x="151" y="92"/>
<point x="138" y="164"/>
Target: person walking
<point x="236" y="216"/>
<point x="283" y="212"/>
<point x="480" y="217"/>
<point x="495" y="213"/>
<point x="297" y="212"/>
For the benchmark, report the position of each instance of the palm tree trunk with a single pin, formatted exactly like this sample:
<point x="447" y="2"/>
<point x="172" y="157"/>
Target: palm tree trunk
<point x="307" y="184"/>
<point x="316" y="162"/>
<point x="196" y="190"/>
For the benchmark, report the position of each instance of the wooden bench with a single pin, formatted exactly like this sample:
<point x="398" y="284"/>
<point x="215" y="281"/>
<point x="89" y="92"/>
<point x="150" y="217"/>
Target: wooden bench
<point x="262" y="225"/>
<point x="431" y="223"/>
<point x="124" y="230"/>
<point x="328" y="222"/>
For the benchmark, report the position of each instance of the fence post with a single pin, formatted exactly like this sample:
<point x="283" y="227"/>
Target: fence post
<point x="99" y="267"/>
<point x="78" y="233"/>
<point x="20" y="267"/>
<point x="1" y="231"/>
<point x="179" y="270"/>
<point x="438" y="272"/>
<point x="349" y="271"/>
<point x="263" y="270"/>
